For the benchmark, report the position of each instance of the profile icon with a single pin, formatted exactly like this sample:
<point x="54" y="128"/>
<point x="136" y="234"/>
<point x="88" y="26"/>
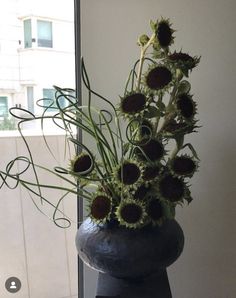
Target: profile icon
<point x="13" y="284"/>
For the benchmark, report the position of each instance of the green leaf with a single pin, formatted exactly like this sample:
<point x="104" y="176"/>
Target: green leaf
<point x="184" y="87"/>
<point x="153" y="25"/>
<point x="152" y="112"/>
<point x="161" y="105"/>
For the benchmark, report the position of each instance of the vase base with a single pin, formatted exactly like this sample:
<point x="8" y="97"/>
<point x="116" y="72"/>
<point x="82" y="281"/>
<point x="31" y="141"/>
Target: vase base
<point x="155" y="286"/>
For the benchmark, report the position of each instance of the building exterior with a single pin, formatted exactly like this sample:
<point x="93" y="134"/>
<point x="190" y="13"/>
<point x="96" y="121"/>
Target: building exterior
<point x="36" y="51"/>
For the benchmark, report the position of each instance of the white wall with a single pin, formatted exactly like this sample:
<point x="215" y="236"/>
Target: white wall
<point x="207" y="267"/>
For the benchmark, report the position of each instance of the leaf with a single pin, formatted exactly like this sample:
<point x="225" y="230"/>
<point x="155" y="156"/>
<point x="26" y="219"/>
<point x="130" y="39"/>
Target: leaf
<point x="184" y="87"/>
<point x="153" y="25"/>
<point x="152" y="112"/>
<point x="161" y="105"/>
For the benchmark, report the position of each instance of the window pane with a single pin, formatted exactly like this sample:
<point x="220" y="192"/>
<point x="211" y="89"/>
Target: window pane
<point x="27" y="34"/>
<point x="3" y="106"/>
<point x="44" y="30"/>
<point x="48" y="97"/>
<point x="30" y="99"/>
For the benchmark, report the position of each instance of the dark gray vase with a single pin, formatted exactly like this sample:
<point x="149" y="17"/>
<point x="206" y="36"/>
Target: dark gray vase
<point x="130" y="262"/>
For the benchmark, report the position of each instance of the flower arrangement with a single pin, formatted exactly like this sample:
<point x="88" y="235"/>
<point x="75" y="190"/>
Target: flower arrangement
<point x="132" y="178"/>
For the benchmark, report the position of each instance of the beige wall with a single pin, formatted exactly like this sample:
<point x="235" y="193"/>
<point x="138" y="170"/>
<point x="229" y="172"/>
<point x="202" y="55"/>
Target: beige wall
<point x="32" y="248"/>
<point x="207" y="267"/>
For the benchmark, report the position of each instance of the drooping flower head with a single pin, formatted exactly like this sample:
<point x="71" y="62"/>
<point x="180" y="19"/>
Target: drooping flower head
<point x="164" y="33"/>
<point x="183" y="61"/>
<point x="82" y="164"/>
<point x="186" y="107"/>
<point x="174" y="128"/>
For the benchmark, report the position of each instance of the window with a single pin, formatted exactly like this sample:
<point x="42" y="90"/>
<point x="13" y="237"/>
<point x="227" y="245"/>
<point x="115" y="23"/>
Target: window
<point x="3" y="106"/>
<point x="44" y="31"/>
<point x="30" y="99"/>
<point x="27" y="34"/>
<point x="49" y="96"/>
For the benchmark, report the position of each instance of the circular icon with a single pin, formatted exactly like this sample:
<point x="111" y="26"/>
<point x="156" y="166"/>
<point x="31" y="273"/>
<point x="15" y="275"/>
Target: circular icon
<point x="13" y="284"/>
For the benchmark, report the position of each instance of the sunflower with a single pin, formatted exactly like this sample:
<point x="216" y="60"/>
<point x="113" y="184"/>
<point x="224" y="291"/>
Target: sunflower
<point x="164" y="33"/>
<point x="183" y="61"/>
<point x="155" y="211"/>
<point x="158" y="77"/>
<point x="128" y="173"/>
<point x="183" y="165"/>
<point x="131" y="213"/>
<point x="133" y="103"/>
<point x="153" y="150"/>
<point x="174" y="128"/>
<point x="82" y="164"/>
<point x="186" y="107"/>
<point x="100" y="207"/>
<point x="150" y="171"/>
<point x="142" y="191"/>
<point x="171" y="188"/>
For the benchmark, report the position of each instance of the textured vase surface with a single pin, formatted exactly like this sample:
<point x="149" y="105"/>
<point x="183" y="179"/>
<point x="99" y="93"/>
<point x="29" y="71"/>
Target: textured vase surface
<point x="127" y="253"/>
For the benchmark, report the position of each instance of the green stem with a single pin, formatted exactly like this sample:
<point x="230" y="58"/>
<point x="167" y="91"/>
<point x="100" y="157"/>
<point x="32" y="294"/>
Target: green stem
<point x="141" y="60"/>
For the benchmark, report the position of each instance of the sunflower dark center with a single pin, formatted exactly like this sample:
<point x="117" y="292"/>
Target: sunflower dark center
<point x="155" y="210"/>
<point x="129" y="173"/>
<point x="150" y="173"/>
<point x="158" y="77"/>
<point x="185" y="105"/>
<point x="183" y="165"/>
<point x="181" y="57"/>
<point x="133" y="103"/>
<point x="100" y="207"/>
<point x="154" y="150"/>
<point x="141" y="192"/>
<point x="171" y="188"/>
<point x="131" y="213"/>
<point x="82" y="164"/>
<point x="164" y="34"/>
<point x="178" y="127"/>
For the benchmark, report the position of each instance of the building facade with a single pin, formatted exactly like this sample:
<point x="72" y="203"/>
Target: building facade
<point x="36" y="52"/>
